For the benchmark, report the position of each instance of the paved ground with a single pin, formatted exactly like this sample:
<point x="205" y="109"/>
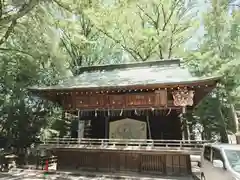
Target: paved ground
<point x="195" y="166"/>
<point x="19" y="174"/>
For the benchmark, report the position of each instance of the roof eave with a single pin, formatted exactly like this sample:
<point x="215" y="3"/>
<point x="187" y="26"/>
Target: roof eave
<point x="205" y="81"/>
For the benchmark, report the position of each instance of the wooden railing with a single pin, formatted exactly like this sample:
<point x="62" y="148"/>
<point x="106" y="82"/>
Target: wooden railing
<point x="41" y="161"/>
<point x="127" y="144"/>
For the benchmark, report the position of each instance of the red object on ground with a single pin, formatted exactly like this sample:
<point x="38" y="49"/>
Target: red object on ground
<point x="46" y="166"/>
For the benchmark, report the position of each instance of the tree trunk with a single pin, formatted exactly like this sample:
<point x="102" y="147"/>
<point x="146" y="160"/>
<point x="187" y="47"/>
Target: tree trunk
<point x="202" y="135"/>
<point x="235" y="118"/>
<point x="233" y="112"/>
<point x="223" y="131"/>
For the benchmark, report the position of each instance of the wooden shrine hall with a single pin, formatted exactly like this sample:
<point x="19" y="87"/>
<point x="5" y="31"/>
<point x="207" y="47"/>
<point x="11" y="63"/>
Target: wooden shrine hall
<point x="126" y="113"/>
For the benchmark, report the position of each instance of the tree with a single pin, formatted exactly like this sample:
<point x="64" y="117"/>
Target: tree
<point x="35" y="54"/>
<point x="156" y="29"/>
<point x="11" y="12"/>
<point x="84" y="44"/>
<point x="218" y="54"/>
<point x="26" y="60"/>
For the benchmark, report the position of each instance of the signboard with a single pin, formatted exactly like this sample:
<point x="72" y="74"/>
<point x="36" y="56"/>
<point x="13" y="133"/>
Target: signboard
<point x="128" y="129"/>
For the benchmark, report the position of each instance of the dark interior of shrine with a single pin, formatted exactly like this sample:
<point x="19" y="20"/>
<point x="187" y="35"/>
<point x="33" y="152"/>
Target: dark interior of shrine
<point x="162" y="124"/>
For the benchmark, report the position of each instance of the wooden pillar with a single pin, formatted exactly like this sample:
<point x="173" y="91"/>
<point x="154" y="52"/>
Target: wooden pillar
<point x="187" y="131"/>
<point x="106" y="134"/>
<point x="182" y="126"/>
<point x="185" y="127"/>
<point x="87" y="129"/>
<point x="183" y="98"/>
<point x="81" y="124"/>
<point x="149" y="129"/>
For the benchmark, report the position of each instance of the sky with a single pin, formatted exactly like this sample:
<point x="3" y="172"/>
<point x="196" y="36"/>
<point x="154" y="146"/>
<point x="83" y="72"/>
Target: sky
<point x="202" y="6"/>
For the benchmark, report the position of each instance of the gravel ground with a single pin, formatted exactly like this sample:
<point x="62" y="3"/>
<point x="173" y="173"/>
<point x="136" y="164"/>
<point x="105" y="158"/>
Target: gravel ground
<point x="19" y="174"/>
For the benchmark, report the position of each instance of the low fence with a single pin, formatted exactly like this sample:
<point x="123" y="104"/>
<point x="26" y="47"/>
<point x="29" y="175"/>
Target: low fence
<point x="165" y="157"/>
<point x="124" y="144"/>
<point x="125" y="162"/>
<point x="41" y="162"/>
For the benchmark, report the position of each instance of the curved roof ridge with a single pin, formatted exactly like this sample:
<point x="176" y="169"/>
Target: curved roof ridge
<point x="110" y="67"/>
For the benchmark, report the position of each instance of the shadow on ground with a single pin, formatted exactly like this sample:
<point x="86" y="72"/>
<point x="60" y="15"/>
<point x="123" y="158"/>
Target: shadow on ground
<point x="20" y="174"/>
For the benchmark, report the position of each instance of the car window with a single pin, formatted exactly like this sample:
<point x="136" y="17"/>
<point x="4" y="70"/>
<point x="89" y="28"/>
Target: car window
<point x="233" y="158"/>
<point x="207" y="153"/>
<point x="216" y="154"/>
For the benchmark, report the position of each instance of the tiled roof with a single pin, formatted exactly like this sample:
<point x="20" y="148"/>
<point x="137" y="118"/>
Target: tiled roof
<point x="152" y="72"/>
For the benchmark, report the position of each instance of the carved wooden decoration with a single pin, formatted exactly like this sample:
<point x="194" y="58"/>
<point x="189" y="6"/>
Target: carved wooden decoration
<point x="89" y="101"/>
<point x="144" y="99"/>
<point x="116" y="100"/>
<point x="183" y="97"/>
<point x="155" y="99"/>
<point x="67" y="102"/>
<point x="82" y="101"/>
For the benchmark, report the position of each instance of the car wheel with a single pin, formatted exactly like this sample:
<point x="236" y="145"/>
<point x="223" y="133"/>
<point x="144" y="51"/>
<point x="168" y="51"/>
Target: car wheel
<point x="203" y="177"/>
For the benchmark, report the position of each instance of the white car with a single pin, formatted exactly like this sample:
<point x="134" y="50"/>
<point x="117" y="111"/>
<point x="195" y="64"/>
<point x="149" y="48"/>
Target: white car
<point x="220" y="162"/>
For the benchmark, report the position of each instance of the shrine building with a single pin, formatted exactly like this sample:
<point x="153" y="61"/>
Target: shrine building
<point x="136" y="102"/>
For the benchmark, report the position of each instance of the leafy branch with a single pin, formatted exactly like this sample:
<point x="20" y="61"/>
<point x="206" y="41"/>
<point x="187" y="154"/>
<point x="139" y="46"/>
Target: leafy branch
<point x="63" y="6"/>
<point x="135" y="54"/>
<point x="24" y="9"/>
<point x="17" y="51"/>
<point x="8" y="32"/>
<point x="5" y="20"/>
<point x="1" y="8"/>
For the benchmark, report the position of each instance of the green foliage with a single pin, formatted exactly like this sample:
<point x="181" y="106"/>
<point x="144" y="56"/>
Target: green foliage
<point x="21" y="115"/>
<point x="218" y="54"/>
<point x="147" y="29"/>
<point x="25" y="60"/>
<point x="44" y="41"/>
<point x="42" y="48"/>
